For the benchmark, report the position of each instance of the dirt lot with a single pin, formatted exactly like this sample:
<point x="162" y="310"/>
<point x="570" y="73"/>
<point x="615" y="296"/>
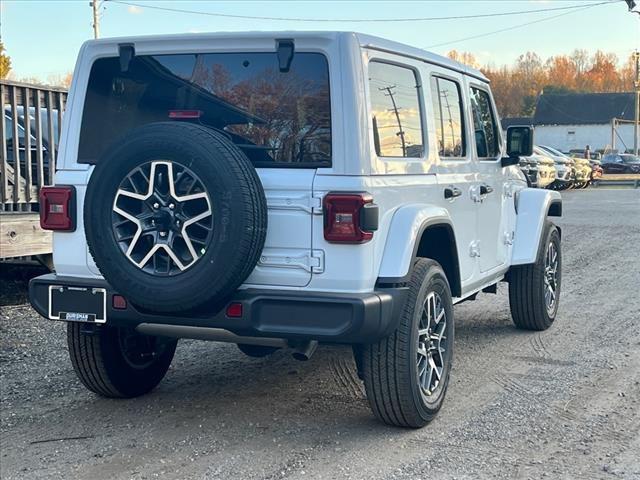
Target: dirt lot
<point x="564" y="403"/>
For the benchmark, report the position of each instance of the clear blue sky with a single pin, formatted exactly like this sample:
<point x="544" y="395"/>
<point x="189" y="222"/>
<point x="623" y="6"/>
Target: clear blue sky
<point x="43" y="37"/>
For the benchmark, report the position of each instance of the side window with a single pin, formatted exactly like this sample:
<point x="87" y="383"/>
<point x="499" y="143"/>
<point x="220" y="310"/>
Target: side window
<point x="447" y="107"/>
<point x="484" y="124"/>
<point x="395" y="108"/>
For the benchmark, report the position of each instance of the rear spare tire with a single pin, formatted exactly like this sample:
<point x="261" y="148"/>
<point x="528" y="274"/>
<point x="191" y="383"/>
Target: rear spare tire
<point x="175" y="216"/>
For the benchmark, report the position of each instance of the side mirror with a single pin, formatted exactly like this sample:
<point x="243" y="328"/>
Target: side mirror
<point x="519" y="144"/>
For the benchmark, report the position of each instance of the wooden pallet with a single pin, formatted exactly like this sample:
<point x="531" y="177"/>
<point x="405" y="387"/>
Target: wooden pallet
<point x="21" y="235"/>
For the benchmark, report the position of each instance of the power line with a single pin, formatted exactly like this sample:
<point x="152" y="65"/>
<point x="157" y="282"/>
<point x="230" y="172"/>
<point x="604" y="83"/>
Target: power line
<point x="520" y="25"/>
<point x="362" y="20"/>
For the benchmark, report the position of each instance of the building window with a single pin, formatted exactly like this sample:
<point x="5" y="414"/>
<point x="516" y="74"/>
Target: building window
<point x="447" y="107"/>
<point x="395" y="108"/>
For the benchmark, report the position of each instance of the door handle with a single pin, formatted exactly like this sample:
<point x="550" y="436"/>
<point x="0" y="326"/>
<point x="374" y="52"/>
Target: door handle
<point x="485" y="189"/>
<point x="452" y="192"/>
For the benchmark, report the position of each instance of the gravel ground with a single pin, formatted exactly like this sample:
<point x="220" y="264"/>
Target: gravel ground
<point x="564" y="403"/>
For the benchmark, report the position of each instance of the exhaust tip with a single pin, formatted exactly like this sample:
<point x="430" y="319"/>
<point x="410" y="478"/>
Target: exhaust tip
<point x="304" y="351"/>
<point x="301" y="357"/>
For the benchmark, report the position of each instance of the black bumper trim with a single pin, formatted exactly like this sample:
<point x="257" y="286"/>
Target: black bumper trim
<point x="326" y="317"/>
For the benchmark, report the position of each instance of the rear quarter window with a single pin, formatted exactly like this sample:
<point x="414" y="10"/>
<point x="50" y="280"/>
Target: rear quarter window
<point x="395" y="110"/>
<point x="276" y="118"/>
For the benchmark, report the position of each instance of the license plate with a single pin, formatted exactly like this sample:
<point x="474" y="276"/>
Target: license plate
<point x="77" y="304"/>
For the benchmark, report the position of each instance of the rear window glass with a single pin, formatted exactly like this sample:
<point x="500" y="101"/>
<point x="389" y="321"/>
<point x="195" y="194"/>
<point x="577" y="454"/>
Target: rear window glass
<point x="276" y="118"/>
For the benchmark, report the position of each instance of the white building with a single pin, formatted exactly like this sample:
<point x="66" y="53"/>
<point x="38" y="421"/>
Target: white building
<point x="604" y="121"/>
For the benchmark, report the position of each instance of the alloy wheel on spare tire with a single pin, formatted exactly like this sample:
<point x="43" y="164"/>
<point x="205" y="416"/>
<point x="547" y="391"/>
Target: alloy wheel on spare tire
<point x="175" y="216"/>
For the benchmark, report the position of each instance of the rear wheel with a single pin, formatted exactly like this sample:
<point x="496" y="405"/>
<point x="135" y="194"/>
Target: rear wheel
<point x="118" y="362"/>
<point x="534" y="290"/>
<point x="406" y="374"/>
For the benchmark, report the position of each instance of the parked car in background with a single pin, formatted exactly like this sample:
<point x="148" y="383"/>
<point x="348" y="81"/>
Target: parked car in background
<point x="564" y="165"/>
<point x="538" y="168"/>
<point x="46" y="140"/>
<point x="583" y="173"/>
<point x="582" y="153"/>
<point x="584" y="170"/>
<point x="20" y="146"/>
<point x="529" y="167"/>
<point x="621" y="163"/>
<point x="596" y="169"/>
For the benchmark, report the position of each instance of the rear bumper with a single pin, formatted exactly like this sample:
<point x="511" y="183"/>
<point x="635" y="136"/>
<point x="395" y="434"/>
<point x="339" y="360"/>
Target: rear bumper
<point x="295" y="315"/>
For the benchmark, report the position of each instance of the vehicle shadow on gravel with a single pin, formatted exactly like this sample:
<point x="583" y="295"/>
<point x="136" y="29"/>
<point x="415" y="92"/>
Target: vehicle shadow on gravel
<point x="14" y="283"/>
<point x="210" y="383"/>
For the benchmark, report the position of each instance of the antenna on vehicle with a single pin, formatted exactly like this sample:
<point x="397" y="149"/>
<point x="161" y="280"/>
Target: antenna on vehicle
<point x="286" y="48"/>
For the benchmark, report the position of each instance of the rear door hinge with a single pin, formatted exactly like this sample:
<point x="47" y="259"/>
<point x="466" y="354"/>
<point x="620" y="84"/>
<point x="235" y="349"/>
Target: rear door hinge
<point x="312" y="261"/>
<point x="306" y="203"/>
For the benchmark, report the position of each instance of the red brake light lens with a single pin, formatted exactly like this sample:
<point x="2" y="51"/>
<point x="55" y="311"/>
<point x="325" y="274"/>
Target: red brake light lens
<point x="234" y="310"/>
<point x="119" y="302"/>
<point x="57" y="208"/>
<point x="343" y="218"/>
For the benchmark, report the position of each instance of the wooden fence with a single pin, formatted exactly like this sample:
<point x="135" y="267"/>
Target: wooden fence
<point x="29" y="135"/>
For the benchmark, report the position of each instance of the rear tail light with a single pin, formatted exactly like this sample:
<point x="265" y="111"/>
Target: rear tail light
<point x="349" y="217"/>
<point x="57" y="208"/>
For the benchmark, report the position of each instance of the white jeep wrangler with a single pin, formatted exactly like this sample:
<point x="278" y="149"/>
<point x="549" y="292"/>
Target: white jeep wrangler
<point x="277" y="190"/>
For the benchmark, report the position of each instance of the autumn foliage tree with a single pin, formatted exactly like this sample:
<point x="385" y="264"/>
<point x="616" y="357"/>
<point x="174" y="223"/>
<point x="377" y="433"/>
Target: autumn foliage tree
<point x="516" y="87"/>
<point x="5" y="62"/>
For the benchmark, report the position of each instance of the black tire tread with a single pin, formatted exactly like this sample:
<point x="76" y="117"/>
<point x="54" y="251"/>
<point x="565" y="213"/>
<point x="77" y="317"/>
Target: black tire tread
<point x="526" y="300"/>
<point x="387" y="384"/>
<point x="101" y="372"/>
<point x="86" y="357"/>
<point x="249" y="245"/>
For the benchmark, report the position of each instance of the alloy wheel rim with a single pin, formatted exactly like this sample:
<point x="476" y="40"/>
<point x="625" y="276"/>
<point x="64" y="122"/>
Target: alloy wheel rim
<point x="432" y="345"/>
<point x="162" y="218"/>
<point x="551" y="277"/>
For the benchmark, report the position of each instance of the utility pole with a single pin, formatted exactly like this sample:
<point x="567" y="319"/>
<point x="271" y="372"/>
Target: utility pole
<point x="636" y="123"/>
<point x="395" y="110"/>
<point x="445" y="94"/>
<point x="613" y="133"/>
<point x="95" y="4"/>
